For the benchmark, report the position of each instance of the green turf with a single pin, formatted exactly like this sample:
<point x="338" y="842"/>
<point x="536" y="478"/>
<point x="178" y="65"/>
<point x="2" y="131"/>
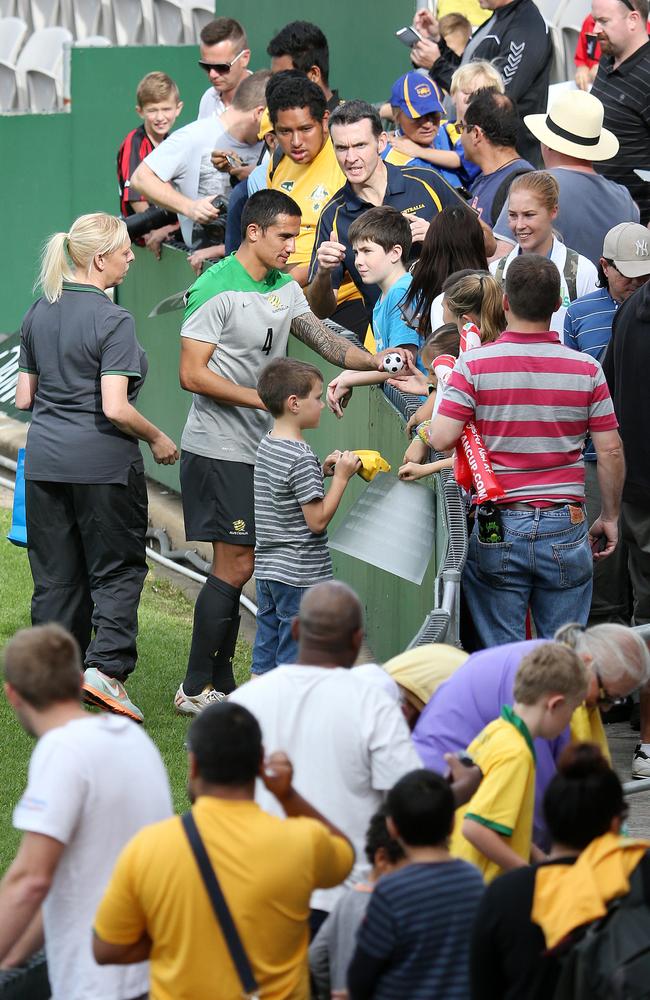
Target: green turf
<point x="163" y="643"/>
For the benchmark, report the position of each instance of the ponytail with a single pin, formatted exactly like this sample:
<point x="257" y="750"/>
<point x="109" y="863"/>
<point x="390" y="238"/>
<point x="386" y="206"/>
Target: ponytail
<point x="481" y="295"/>
<point x="65" y="253"/>
<point x="55" y="267"/>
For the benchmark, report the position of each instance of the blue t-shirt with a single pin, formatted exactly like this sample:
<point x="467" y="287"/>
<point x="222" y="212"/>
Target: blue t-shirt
<point x="484" y="188"/>
<point x="418" y="921"/>
<point x="388" y="324"/>
<point x="588" y="328"/>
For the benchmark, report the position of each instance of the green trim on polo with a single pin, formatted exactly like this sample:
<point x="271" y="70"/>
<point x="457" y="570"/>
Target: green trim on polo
<point x="505" y="831"/>
<point x="508" y="713"/>
<point x="231" y="276"/>
<point x="74" y="286"/>
<point x="128" y="374"/>
<point x="28" y="371"/>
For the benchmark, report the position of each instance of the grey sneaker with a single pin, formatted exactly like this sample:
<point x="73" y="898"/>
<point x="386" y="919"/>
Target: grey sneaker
<point x="109" y="693"/>
<point x="640" y="763"/>
<point x="186" y="704"/>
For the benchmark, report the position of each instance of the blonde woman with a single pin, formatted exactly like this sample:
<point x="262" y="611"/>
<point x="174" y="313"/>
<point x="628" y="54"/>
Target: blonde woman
<point x="81" y="369"/>
<point x="533" y="205"/>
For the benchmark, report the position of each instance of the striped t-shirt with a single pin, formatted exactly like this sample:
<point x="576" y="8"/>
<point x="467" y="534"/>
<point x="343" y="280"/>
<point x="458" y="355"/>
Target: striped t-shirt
<point x="418" y="921"/>
<point x="288" y="475"/>
<point x="534" y="401"/>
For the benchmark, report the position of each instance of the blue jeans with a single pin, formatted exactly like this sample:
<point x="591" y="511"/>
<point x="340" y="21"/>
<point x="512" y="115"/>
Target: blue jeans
<point x="277" y="606"/>
<point x="544" y="561"/>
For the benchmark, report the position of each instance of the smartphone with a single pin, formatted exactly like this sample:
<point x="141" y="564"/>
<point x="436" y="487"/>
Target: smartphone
<point x="408" y="36"/>
<point x="233" y="160"/>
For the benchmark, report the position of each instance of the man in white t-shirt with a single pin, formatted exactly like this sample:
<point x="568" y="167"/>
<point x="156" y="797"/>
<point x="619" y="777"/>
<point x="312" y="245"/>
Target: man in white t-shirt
<point x="179" y="173"/>
<point x="94" y="781"/>
<point x="346" y="737"/>
<point x="224" y="57"/>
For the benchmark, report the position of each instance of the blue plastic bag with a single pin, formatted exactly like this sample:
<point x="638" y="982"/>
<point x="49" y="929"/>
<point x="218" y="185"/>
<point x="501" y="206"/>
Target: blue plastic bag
<point x="18" y="531"/>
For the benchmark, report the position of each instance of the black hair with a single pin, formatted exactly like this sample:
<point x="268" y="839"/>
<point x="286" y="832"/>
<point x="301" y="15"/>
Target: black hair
<point x="496" y="115"/>
<point x="263" y="208"/>
<point x="603" y="281"/>
<point x="306" y="46"/>
<point x="532" y="284"/>
<point x="385" y="226"/>
<point x="289" y="90"/>
<point x="286" y="377"/>
<point x="226" y="741"/>
<point x="377" y="836"/>
<point x="352" y="112"/>
<point x="421" y="806"/>
<point x="454" y="241"/>
<point x="583" y="798"/>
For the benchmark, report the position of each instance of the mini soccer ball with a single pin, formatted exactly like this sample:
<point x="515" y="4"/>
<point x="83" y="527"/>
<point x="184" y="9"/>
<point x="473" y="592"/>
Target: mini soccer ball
<point x="392" y="363"/>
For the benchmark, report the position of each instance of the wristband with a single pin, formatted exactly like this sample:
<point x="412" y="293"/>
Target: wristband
<point x="422" y="431"/>
<point x="430" y="388"/>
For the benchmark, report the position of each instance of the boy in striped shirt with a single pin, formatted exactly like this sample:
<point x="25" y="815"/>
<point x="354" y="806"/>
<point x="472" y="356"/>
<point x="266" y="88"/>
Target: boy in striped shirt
<point x="291" y="509"/>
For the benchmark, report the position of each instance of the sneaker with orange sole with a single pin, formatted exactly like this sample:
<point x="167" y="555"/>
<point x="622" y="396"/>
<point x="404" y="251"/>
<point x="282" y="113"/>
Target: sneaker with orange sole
<point x="109" y="693"/>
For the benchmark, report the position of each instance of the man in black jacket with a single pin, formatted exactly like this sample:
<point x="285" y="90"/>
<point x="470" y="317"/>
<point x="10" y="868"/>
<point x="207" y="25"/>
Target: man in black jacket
<point x="626" y="361"/>
<point x="516" y="40"/>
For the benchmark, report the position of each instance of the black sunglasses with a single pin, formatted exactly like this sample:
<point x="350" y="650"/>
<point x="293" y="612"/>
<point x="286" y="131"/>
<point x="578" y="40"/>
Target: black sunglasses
<point x="220" y="68"/>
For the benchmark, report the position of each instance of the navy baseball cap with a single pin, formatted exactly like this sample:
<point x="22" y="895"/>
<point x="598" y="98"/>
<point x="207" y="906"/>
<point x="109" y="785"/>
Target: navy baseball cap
<point x="416" y="95"/>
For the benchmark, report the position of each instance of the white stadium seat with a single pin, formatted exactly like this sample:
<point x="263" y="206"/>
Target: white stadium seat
<point x="93" y="42"/>
<point x="39" y="70"/>
<point x="134" y="22"/>
<point x="47" y="13"/>
<point x="197" y="15"/>
<point x="551" y="10"/>
<point x="12" y="36"/>
<point x="8" y="87"/>
<point x="7" y="8"/>
<point x="169" y="21"/>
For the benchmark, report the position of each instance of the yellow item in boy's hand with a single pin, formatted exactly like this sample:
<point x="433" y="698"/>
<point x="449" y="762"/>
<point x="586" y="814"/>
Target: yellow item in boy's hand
<point x="371" y="464"/>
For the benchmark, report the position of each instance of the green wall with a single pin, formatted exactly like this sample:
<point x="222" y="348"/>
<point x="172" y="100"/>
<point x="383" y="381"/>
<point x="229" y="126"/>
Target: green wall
<point x="395" y="609"/>
<point x="58" y="166"/>
<point x="365" y="56"/>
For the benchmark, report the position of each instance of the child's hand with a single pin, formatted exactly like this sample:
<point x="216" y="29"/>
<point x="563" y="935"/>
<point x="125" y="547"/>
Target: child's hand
<point x="417" y="451"/>
<point x="418" y="385"/>
<point x="338" y="395"/>
<point x="347" y="464"/>
<point x="411" y="471"/>
<point x="330" y="462"/>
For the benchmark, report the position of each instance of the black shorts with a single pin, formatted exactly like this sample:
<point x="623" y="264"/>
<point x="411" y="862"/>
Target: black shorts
<point x="218" y="500"/>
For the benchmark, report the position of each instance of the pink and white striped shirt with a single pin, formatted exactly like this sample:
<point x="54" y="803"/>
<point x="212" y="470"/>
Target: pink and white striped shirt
<point x="533" y="401"/>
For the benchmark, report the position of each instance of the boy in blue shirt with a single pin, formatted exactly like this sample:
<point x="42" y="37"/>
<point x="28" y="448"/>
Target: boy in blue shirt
<point x="381" y="240"/>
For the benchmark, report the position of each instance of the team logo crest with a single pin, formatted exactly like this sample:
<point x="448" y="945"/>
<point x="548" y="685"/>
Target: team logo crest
<point x="423" y="90"/>
<point x="287" y="185"/>
<point x="239" y="526"/>
<point x="641" y="248"/>
<point x="275" y="302"/>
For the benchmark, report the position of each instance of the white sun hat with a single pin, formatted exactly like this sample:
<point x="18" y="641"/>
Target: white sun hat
<point x="574" y="126"/>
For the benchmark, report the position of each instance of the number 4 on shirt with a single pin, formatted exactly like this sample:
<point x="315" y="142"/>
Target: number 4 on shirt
<point x="268" y="343"/>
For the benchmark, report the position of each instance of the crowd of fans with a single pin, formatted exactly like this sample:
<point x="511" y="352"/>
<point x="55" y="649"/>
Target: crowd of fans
<point x="447" y="825"/>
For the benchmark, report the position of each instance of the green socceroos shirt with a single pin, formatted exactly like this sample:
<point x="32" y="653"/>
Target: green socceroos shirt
<point x="248" y="322"/>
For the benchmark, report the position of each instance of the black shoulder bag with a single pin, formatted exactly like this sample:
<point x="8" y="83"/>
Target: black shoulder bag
<point x="220" y="907"/>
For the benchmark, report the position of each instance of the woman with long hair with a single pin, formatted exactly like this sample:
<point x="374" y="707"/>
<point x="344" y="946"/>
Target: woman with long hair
<point x="81" y="369"/>
<point x="454" y="242"/>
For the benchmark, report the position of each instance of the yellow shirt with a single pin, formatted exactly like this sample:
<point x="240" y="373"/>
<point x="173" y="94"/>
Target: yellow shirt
<point x="267" y="868"/>
<point x="505" y="799"/>
<point x="311" y="185"/>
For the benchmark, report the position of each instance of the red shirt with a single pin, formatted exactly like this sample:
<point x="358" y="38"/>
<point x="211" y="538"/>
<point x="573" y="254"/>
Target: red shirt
<point x="582" y="57"/>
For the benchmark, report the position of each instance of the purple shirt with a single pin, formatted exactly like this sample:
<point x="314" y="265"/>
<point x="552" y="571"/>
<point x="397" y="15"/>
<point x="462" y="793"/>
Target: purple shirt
<point x="473" y="697"/>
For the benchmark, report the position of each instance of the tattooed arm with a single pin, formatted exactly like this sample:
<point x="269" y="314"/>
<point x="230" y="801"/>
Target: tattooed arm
<point x="330" y="346"/>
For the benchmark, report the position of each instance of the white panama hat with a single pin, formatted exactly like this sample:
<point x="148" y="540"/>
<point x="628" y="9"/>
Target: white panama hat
<point x="574" y="126"/>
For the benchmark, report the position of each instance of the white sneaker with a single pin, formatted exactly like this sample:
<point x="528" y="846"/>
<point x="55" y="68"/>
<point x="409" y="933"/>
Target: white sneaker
<point x="640" y="763"/>
<point x="186" y="704"/>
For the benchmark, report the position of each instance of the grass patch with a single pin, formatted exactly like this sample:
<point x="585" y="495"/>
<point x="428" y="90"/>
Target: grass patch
<point x="163" y="644"/>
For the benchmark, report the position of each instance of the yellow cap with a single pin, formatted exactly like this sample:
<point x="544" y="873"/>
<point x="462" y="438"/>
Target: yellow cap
<point x="265" y="124"/>
<point x="421" y="670"/>
<point x="371" y="464"/>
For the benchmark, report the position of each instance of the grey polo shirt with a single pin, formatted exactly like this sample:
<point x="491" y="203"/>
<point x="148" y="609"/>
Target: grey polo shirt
<point x="69" y="344"/>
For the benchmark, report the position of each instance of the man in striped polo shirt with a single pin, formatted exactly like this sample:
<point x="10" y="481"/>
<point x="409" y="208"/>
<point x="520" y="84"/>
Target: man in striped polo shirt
<point x="534" y="401"/>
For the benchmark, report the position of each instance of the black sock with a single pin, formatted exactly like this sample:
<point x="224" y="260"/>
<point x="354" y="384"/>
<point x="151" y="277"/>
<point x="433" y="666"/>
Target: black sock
<point x="222" y="675"/>
<point x="215" y="607"/>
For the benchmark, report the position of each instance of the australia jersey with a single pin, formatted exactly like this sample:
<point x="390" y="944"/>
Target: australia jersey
<point x="248" y="322"/>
